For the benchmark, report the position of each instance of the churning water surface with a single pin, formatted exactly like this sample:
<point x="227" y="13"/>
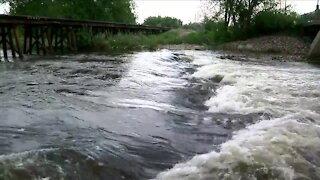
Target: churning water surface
<point x="180" y="115"/>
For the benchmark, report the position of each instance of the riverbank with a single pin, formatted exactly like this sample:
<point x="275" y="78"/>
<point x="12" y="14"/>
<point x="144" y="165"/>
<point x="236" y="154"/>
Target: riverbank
<point x="275" y="48"/>
<point x="124" y="43"/>
<point x="270" y="44"/>
<point x="279" y="47"/>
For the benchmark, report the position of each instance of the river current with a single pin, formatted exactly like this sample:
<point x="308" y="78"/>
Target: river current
<point x="166" y="115"/>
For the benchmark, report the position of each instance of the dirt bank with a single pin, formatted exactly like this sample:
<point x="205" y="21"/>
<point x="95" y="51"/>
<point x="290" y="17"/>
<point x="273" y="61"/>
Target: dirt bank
<point x="278" y="46"/>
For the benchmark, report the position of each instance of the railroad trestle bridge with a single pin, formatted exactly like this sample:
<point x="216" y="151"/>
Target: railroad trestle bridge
<point x="27" y="35"/>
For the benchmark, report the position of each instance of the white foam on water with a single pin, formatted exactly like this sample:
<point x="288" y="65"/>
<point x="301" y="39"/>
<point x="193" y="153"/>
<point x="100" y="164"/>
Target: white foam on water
<point x="249" y="88"/>
<point x="25" y="162"/>
<point x="286" y="147"/>
<point x="274" y="148"/>
<point x="25" y="154"/>
<point x="150" y="78"/>
<point x="140" y="103"/>
<point x="201" y="57"/>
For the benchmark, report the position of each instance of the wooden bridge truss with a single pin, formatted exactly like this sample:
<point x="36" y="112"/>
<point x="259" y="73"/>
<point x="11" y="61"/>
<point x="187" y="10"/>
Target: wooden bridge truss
<point x="26" y="35"/>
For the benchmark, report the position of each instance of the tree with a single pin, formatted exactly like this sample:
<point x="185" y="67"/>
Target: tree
<point x="240" y="13"/>
<point x="105" y="10"/>
<point x="267" y="22"/>
<point x="163" y="22"/>
<point x="194" y="26"/>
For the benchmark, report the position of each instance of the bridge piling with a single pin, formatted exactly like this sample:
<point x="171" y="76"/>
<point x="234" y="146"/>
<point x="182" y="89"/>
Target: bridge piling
<point x="73" y="40"/>
<point x="36" y="39"/>
<point x="62" y="34"/>
<point x="29" y="37"/>
<point x="26" y="33"/>
<point x="10" y="41"/>
<point x="55" y="35"/>
<point x="17" y="43"/>
<point x="48" y="35"/>
<point x="43" y="42"/>
<point x="4" y="42"/>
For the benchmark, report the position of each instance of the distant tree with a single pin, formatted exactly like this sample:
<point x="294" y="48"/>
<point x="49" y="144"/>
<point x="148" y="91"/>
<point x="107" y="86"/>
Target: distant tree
<point x="194" y="26"/>
<point x="163" y="22"/>
<point x="105" y="10"/>
<point x="240" y="13"/>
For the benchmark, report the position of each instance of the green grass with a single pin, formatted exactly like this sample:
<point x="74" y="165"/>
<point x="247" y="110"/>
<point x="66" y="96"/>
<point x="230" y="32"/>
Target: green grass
<point x="132" y="42"/>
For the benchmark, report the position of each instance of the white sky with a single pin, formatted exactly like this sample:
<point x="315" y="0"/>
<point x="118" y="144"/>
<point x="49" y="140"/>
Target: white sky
<point x="193" y="10"/>
<point x="190" y="10"/>
<point x="186" y="10"/>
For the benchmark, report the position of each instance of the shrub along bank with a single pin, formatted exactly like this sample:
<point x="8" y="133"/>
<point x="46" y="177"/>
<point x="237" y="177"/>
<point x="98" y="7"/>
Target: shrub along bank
<point x="208" y="33"/>
<point x="132" y="42"/>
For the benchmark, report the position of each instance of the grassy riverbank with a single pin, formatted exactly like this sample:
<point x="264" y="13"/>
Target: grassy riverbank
<point x="132" y="42"/>
<point x="269" y="32"/>
<point x="275" y="45"/>
<point x="215" y="38"/>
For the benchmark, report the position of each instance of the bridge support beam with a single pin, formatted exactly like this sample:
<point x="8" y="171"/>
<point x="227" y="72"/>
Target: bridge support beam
<point x="43" y="40"/>
<point x="10" y="41"/>
<point x="72" y="39"/>
<point x="17" y="42"/>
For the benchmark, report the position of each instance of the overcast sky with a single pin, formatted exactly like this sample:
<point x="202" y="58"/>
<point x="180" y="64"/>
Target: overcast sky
<point x="190" y="10"/>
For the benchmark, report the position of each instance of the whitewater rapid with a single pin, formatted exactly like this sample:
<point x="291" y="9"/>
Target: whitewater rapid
<point x="283" y="144"/>
<point x="168" y="115"/>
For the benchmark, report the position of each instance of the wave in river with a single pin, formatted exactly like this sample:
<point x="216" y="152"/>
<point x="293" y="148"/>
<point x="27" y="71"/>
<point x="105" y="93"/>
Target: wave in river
<point x="133" y="116"/>
<point x="285" y="147"/>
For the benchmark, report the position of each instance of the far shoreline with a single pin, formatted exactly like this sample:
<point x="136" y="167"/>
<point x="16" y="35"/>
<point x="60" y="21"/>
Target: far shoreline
<point x="273" y="48"/>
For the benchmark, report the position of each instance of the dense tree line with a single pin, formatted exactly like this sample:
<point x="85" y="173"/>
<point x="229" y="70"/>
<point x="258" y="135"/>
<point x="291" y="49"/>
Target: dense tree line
<point x="106" y="10"/>
<point x="163" y="22"/>
<point x="241" y="12"/>
<point x="244" y="18"/>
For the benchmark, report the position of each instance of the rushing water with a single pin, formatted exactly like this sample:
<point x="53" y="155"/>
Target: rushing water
<point x="159" y="115"/>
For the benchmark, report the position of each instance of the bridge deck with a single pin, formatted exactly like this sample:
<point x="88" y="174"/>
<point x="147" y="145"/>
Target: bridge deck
<point x="45" y="21"/>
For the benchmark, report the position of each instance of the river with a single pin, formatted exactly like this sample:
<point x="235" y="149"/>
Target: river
<point x="167" y="115"/>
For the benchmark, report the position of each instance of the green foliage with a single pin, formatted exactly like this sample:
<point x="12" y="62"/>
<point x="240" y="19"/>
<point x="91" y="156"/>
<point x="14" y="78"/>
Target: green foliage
<point x="130" y="42"/>
<point x="239" y="14"/>
<point x="194" y="26"/>
<point x="214" y="35"/>
<point x="163" y="22"/>
<point x="105" y="10"/>
<point x="218" y="32"/>
<point x="263" y="23"/>
<point x="84" y="40"/>
<point x="195" y="38"/>
<point x="242" y="19"/>
<point x="270" y="22"/>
